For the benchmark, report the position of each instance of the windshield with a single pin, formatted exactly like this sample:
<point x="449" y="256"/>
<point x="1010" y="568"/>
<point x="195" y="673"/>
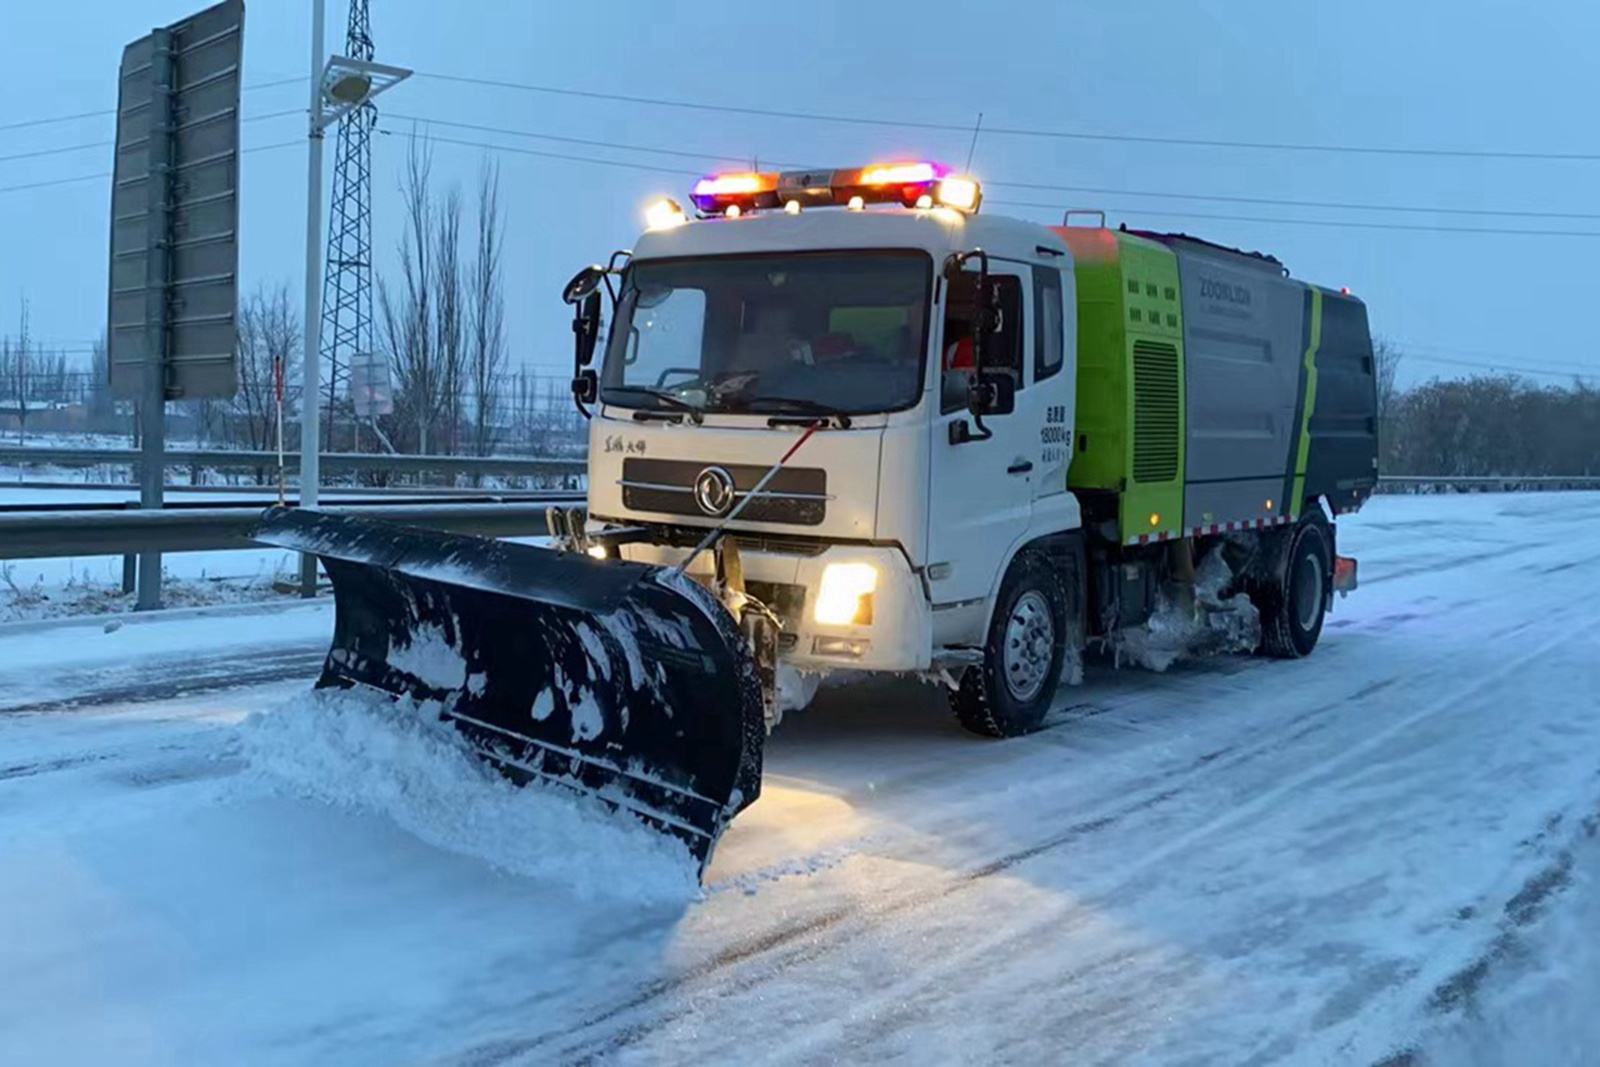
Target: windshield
<point x="797" y="333"/>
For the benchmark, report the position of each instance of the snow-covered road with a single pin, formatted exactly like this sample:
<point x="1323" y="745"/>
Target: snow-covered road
<point x="1380" y="854"/>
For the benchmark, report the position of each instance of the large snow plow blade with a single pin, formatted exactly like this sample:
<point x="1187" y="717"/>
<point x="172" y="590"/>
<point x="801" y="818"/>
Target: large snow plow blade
<point x="617" y="679"/>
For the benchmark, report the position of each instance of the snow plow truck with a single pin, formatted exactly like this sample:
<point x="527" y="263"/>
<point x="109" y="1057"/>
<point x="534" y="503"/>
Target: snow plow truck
<point x="843" y="420"/>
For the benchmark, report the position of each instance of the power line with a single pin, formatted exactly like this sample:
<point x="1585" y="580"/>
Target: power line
<point x="548" y="155"/>
<point x="1003" y="131"/>
<point x="112" y="111"/>
<point x="1495" y="358"/>
<point x="63" y="149"/>
<point x="105" y="174"/>
<point x="1503" y="368"/>
<point x="1331" y="204"/>
<point x="571" y="140"/>
<point x="1347" y="224"/>
<point x="1273" y="201"/>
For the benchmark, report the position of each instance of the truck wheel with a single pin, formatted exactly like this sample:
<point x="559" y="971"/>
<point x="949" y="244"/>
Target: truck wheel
<point x="1292" y="611"/>
<point x="1010" y="693"/>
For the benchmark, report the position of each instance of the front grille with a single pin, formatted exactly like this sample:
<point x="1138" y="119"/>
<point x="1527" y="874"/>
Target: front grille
<point x="796" y="495"/>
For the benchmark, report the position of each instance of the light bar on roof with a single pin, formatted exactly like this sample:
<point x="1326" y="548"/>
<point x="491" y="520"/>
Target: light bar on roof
<point x="915" y="184"/>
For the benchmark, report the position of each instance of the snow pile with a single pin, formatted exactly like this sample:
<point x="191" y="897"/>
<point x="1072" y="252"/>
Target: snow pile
<point x="1212" y="624"/>
<point x="366" y="753"/>
<point x="29" y="596"/>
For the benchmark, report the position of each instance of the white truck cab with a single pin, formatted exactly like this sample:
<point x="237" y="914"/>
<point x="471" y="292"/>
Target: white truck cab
<point x="882" y="542"/>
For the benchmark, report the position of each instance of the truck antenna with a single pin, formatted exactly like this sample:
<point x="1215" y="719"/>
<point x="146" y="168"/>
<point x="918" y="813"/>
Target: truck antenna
<point x="973" y="148"/>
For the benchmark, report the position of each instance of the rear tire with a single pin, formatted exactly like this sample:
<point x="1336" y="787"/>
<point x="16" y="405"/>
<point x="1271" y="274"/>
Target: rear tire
<point x="1012" y="691"/>
<point x="1292" y="610"/>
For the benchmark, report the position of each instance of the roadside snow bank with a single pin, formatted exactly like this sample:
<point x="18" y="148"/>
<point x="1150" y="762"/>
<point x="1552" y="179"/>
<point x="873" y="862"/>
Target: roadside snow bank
<point x="362" y="752"/>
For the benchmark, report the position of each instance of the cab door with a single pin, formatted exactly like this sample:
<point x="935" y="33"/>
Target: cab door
<point x="981" y="490"/>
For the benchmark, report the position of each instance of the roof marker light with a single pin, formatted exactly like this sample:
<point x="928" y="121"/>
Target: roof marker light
<point x="856" y="203"/>
<point x="715" y="193"/>
<point x="902" y="174"/>
<point x="731" y="185"/>
<point x="792" y="207"/>
<point x="664" y="214"/>
<point x="924" y="202"/>
<point x="963" y="194"/>
<point x="733" y="211"/>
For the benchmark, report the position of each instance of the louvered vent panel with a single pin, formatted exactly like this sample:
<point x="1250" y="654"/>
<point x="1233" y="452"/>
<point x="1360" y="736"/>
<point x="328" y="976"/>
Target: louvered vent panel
<point x="1156" y="413"/>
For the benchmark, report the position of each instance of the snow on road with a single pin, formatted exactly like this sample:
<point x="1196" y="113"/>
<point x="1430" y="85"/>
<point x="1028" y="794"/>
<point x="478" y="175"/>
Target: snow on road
<point x="1381" y="854"/>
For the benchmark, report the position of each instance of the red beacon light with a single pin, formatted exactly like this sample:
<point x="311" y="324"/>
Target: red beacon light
<point x="914" y="185"/>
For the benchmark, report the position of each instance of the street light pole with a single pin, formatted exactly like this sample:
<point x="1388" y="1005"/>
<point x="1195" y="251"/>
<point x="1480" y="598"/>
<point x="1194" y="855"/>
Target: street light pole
<point x="311" y="377"/>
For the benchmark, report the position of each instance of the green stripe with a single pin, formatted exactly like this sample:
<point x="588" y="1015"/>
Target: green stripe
<point x="1298" y="500"/>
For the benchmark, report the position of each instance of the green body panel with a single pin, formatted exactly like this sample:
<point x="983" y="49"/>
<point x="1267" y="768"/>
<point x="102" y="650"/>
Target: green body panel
<point x="1308" y="407"/>
<point x="1128" y="296"/>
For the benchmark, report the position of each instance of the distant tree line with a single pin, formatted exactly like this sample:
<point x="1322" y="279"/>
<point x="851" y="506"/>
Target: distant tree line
<point x="1486" y="425"/>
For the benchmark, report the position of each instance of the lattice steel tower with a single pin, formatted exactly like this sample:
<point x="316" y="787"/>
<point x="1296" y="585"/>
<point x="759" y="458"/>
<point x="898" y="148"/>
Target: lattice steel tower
<point x="347" y="277"/>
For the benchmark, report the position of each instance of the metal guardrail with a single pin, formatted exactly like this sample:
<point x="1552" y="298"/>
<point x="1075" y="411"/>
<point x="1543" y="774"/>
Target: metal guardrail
<point x="332" y="462"/>
<point x="396" y="493"/>
<point x="59" y="533"/>
<point x="1547" y="482"/>
<point x="338" y="498"/>
<point x="35" y="531"/>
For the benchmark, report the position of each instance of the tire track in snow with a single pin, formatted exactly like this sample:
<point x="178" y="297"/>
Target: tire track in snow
<point x="171" y="681"/>
<point x="872" y="912"/>
<point x="1154" y="791"/>
<point x="1018" y="940"/>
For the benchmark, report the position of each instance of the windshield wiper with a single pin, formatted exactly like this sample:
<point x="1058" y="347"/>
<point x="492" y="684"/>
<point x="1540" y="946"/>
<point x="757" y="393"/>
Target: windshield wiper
<point x="670" y="403"/>
<point x="812" y="409"/>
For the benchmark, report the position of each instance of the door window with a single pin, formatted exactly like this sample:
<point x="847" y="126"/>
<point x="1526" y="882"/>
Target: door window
<point x="1048" y="342"/>
<point x="1002" y="349"/>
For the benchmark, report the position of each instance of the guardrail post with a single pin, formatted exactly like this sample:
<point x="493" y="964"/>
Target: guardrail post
<point x="130" y="573"/>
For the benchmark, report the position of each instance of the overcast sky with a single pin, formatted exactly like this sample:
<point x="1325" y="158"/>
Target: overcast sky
<point x="1356" y="73"/>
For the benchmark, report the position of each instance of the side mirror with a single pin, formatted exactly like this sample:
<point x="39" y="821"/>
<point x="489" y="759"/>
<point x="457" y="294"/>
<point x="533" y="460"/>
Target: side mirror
<point x="586" y="329"/>
<point x="992" y="393"/>
<point x="584" y="284"/>
<point x="585" y="387"/>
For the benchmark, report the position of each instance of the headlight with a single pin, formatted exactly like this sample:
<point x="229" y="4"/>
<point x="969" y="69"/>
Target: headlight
<point x="846" y="594"/>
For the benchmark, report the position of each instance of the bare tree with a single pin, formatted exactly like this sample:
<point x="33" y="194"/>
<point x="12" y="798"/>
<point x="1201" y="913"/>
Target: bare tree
<point x="20" y="365"/>
<point x="269" y="339"/>
<point x="449" y="325"/>
<point x="102" y="405"/>
<point x="407" y="316"/>
<point x="1386" y="366"/>
<point x="486" y="315"/>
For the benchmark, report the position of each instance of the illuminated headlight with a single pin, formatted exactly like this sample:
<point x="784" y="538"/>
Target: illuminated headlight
<point x="598" y="552"/>
<point x="846" y="594"/>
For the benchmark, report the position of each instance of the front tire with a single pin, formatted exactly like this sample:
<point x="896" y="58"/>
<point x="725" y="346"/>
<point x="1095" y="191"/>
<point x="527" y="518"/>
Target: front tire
<point x="1292" y="610"/>
<point x="1012" y="691"/>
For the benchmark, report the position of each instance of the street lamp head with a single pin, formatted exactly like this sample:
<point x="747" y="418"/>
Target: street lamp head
<point x="350" y="89"/>
<point x="350" y="83"/>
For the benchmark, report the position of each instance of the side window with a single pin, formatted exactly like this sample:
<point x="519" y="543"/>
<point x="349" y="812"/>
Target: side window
<point x="1002" y="350"/>
<point x="1048" y="340"/>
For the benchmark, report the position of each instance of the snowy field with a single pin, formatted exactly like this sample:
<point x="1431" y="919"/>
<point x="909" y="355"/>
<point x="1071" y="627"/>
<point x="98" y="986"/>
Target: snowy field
<point x="1384" y="854"/>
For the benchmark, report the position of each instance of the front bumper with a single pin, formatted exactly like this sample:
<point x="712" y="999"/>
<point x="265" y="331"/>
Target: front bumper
<point x="898" y="637"/>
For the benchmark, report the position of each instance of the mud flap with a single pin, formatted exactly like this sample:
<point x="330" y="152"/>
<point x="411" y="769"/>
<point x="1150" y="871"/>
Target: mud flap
<point x="620" y="680"/>
<point x="1344" y="575"/>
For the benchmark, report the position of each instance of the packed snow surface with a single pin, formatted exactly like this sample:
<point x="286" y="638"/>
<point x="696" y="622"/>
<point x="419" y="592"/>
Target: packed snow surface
<point x="1386" y="853"/>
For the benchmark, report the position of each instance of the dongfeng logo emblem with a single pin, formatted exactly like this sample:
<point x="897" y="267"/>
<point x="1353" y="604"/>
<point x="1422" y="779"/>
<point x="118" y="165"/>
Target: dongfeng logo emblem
<point x="713" y="491"/>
